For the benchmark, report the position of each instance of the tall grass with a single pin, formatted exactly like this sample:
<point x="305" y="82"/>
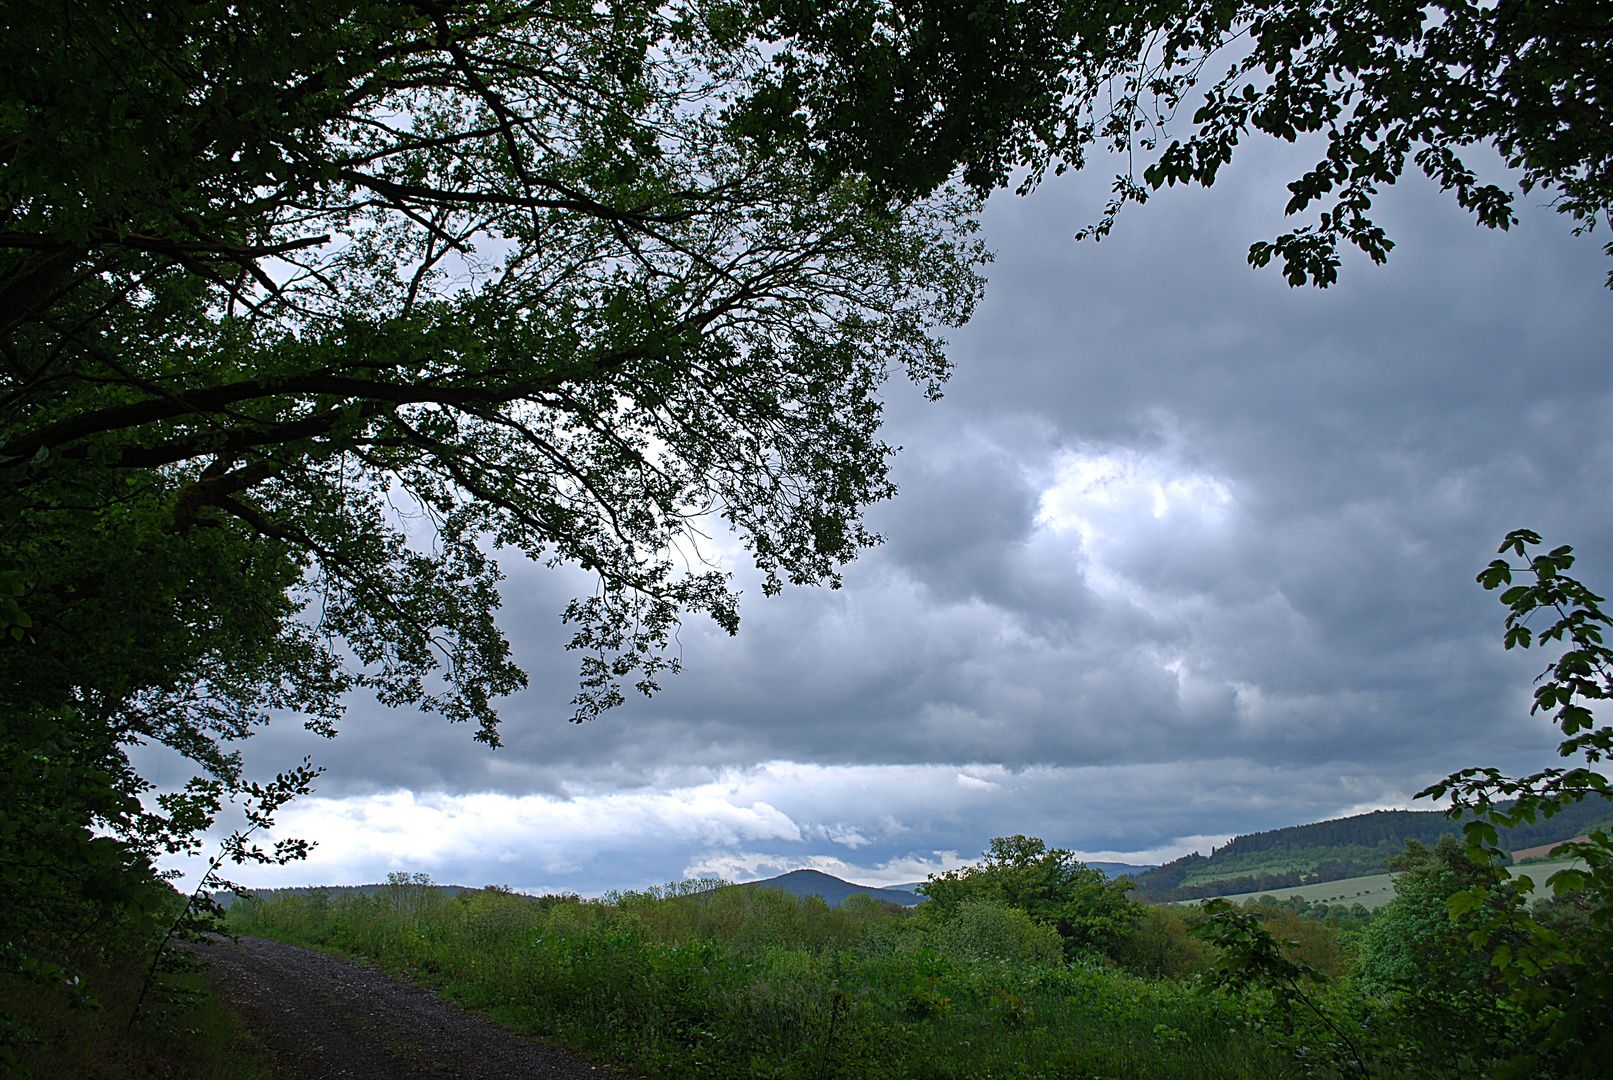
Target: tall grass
<point x="738" y="982"/>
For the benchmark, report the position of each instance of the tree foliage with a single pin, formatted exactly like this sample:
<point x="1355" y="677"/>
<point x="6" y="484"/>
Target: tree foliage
<point x="1088" y="910"/>
<point x="1415" y="945"/>
<point x="1249" y="955"/>
<point x="1417" y="960"/>
<point x="275" y="273"/>
<point x="1557" y="970"/>
<point x="306" y="310"/>
<point x="1024" y="88"/>
<point x="1386" y="85"/>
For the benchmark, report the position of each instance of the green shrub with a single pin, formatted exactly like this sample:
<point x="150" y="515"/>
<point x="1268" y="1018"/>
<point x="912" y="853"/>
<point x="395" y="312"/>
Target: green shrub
<point x="1161" y="945"/>
<point x="1415" y="943"/>
<point x="1090" y="912"/>
<point x="986" y="930"/>
<point x="738" y="982"/>
<point x="62" y="1032"/>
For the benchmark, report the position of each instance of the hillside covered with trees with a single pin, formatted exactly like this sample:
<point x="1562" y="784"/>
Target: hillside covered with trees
<point x="1338" y="849"/>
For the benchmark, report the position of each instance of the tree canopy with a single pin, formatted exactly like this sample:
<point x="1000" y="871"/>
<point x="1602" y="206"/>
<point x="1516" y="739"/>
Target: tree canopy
<point x="1013" y="90"/>
<point x="307" y="310"/>
<point x="1383" y="84"/>
<point x="1088" y="910"/>
<point x="279" y="279"/>
<point x="361" y="291"/>
<point x="1559" y="972"/>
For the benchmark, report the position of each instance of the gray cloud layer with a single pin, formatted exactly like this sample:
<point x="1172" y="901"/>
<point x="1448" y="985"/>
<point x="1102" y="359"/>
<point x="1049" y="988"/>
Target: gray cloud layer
<point x="1170" y="512"/>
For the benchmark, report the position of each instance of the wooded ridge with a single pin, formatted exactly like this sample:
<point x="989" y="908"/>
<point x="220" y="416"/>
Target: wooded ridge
<point x="1337" y="849"/>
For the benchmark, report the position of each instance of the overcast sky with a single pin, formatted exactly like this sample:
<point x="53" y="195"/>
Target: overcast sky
<point x="1183" y="553"/>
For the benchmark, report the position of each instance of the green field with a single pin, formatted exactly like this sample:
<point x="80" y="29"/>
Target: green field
<point x="1372" y="892"/>
<point x="1290" y="860"/>
<point x="737" y="984"/>
<point x="1375" y="890"/>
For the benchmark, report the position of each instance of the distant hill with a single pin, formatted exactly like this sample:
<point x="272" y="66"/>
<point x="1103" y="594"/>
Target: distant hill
<point x="833" y="890"/>
<point x="1335" y="850"/>
<point x="1113" y="869"/>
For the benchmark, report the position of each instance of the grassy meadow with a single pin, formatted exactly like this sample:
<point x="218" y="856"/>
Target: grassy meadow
<point x="1373" y="891"/>
<point x="734" y="982"/>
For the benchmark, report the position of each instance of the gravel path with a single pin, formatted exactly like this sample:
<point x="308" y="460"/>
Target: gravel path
<point x="322" y="1018"/>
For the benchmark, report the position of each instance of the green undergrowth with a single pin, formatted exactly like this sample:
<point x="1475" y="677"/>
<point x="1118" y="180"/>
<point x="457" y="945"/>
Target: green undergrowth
<point x="183" y="1030"/>
<point x="757" y="983"/>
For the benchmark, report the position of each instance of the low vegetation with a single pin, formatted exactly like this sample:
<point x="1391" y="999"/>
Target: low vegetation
<point x="1027" y="964"/>
<point x="102" y="1012"/>
<point x="727" y="982"/>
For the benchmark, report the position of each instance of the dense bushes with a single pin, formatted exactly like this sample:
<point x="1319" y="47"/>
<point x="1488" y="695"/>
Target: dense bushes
<point x="95" y="1008"/>
<point x="732" y="982"/>
<point x="1025" y="965"/>
<point x="1090" y="912"/>
<point x="1161" y="945"/>
<point x="79" y="897"/>
<point x="184" y="1031"/>
<point x="985" y="930"/>
<point x="1416" y="944"/>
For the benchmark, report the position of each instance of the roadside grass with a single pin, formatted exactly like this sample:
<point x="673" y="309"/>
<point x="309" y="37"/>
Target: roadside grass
<point x="756" y="983"/>
<point x="183" y="1031"/>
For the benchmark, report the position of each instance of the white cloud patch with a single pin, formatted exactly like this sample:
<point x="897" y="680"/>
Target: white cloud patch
<point x="1102" y="495"/>
<point x="1117" y="502"/>
<point x="1183" y="553"/>
<point x="902" y="823"/>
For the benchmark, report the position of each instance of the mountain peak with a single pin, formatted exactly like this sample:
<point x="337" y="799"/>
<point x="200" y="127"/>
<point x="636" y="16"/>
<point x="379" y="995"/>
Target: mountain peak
<point x="833" y="890"/>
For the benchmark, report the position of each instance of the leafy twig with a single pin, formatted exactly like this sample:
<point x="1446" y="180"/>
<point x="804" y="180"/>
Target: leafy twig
<point x="260" y="804"/>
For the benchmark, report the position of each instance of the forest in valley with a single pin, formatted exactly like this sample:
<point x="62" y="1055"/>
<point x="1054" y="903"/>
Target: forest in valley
<point x="1341" y="848"/>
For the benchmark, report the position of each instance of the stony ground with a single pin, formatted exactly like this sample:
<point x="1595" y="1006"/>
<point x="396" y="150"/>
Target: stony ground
<point x="321" y="1018"/>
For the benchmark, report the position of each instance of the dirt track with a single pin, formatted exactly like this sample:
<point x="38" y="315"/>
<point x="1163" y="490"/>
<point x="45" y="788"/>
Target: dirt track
<point x="322" y="1018"/>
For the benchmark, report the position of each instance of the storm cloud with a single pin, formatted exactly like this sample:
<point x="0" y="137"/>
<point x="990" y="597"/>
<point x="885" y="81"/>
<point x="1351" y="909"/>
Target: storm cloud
<point x="1183" y="552"/>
